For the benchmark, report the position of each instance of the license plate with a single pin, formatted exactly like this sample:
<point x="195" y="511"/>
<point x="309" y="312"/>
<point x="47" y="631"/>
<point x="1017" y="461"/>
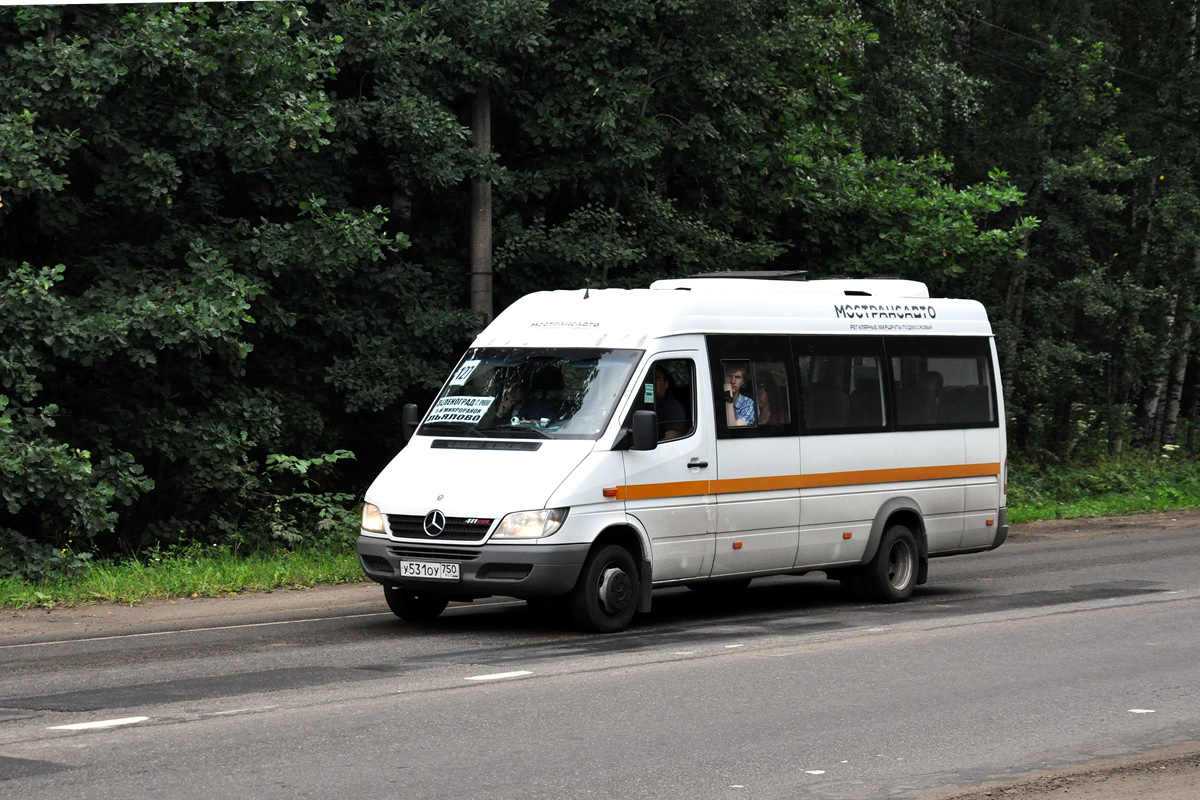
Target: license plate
<point x="434" y="571"/>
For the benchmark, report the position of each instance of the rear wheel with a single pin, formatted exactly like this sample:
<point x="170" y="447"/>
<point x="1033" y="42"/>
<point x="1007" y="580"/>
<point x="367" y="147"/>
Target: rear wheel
<point x="892" y="573"/>
<point x="414" y="606"/>
<point x="605" y="598"/>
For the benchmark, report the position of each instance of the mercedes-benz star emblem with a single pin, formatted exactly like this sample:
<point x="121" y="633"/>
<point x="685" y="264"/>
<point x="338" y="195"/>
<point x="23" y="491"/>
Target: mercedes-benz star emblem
<point x="435" y="523"/>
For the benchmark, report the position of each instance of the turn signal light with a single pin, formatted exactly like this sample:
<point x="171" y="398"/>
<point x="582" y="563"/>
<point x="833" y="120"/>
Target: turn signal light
<point x="847" y="535"/>
<point x="737" y="545"/>
<point x="610" y="492"/>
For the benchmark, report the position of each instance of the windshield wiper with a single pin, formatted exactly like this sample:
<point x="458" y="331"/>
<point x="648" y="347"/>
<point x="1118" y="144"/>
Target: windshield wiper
<point x="461" y="428"/>
<point x="518" y="429"/>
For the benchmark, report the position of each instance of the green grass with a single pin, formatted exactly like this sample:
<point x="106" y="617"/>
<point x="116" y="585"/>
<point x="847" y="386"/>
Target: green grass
<point x="1101" y="487"/>
<point x="185" y="572"/>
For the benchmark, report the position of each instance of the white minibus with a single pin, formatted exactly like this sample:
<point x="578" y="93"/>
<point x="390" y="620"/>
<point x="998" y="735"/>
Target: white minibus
<point x="592" y="445"/>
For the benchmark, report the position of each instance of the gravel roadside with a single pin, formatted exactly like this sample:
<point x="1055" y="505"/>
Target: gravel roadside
<point x="1168" y="775"/>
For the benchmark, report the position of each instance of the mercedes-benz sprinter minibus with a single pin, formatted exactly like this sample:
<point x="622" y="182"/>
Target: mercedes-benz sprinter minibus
<point x="593" y="445"/>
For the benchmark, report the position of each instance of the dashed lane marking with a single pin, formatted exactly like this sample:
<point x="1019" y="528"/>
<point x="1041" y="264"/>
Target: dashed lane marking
<point x="499" y="676"/>
<point x="103" y="723"/>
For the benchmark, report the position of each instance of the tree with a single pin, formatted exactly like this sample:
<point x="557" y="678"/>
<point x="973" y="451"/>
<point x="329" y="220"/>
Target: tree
<point x="204" y="293"/>
<point x="1088" y="106"/>
<point x="241" y="231"/>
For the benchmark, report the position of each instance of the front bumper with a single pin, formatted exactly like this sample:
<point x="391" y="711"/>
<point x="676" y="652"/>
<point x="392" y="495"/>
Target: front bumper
<point x="518" y="570"/>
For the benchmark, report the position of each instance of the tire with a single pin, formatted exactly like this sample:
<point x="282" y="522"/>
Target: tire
<point x="606" y="596"/>
<point x="414" y="606"/>
<point x="892" y="573"/>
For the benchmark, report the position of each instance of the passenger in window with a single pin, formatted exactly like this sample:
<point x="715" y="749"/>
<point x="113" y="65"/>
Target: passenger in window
<point x="739" y="408"/>
<point x="771" y="409"/>
<point x="672" y="421"/>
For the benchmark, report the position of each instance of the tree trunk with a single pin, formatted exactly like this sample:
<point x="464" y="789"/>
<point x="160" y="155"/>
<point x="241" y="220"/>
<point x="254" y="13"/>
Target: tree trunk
<point x="1182" y="354"/>
<point x="1154" y="398"/>
<point x="1118" y="410"/>
<point x="481" y="210"/>
<point x="1014" y="303"/>
<point x="1178" y="373"/>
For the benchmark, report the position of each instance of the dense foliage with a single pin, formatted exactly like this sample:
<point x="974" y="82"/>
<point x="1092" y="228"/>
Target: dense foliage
<point x="233" y="237"/>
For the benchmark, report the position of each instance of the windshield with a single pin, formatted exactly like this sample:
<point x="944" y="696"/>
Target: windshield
<point x="538" y="393"/>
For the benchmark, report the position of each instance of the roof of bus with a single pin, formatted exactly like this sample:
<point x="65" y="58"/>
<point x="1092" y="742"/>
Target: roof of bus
<point x="630" y="318"/>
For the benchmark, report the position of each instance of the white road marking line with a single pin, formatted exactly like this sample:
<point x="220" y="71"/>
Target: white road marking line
<point x="814" y="772"/>
<point x="104" y="723"/>
<point x="499" y="676"/>
<point x="733" y="646"/>
<point x="1141" y="711"/>
<point x="239" y="711"/>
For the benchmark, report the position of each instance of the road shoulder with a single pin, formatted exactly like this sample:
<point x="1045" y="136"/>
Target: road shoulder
<point x="1172" y="774"/>
<point x="111" y="619"/>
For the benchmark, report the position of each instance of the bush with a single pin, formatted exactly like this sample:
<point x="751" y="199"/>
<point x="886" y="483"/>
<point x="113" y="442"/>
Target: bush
<point x="1100" y="485"/>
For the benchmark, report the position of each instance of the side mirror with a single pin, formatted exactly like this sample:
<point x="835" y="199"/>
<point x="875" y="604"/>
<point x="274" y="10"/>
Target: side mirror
<point x="410" y="418"/>
<point x="645" y="430"/>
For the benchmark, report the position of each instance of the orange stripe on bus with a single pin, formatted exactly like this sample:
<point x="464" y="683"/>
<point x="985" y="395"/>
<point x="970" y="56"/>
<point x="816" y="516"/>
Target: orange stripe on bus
<point x="651" y="491"/>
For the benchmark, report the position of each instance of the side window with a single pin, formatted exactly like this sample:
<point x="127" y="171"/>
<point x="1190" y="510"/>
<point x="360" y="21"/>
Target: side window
<point x="942" y="382"/>
<point x="675" y="397"/>
<point x="842" y="383"/>
<point x="669" y="389"/>
<point x="753" y="386"/>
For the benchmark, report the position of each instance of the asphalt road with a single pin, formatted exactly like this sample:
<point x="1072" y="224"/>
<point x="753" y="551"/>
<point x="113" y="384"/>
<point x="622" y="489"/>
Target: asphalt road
<point x="1053" y="651"/>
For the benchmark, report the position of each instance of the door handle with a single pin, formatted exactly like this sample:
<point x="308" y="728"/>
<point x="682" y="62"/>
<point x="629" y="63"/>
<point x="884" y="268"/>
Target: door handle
<point x="695" y="462"/>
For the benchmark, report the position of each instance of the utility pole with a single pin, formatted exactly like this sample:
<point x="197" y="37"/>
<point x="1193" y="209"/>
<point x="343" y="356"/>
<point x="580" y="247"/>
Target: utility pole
<point x="481" y="209"/>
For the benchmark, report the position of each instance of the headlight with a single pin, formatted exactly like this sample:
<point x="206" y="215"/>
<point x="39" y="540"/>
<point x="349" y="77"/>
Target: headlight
<point x="530" y="524"/>
<point x="372" y="519"/>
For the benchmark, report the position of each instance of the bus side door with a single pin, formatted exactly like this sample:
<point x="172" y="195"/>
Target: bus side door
<point x="758" y="454"/>
<point x="667" y="489"/>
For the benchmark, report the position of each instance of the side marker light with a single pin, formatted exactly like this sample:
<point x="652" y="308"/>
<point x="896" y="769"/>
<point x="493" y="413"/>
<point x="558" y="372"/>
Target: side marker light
<point x="610" y="492"/>
<point x="737" y="545"/>
<point x="847" y="535"/>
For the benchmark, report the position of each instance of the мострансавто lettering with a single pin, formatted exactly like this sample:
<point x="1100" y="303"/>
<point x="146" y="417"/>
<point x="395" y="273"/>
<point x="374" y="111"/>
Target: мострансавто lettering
<point x="870" y="311"/>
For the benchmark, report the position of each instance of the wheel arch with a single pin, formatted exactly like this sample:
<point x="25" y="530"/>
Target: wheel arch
<point x="634" y="539"/>
<point x="900" y="511"/>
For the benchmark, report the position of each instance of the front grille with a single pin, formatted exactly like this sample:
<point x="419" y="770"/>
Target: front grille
<point x="432" y="551"/>
<point x="458" y="529"/>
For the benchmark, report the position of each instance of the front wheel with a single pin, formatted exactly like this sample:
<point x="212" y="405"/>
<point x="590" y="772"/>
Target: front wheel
<point x="892" y="573"/>
<point x="605" y="598"/>
<point x="414" y="606"/>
